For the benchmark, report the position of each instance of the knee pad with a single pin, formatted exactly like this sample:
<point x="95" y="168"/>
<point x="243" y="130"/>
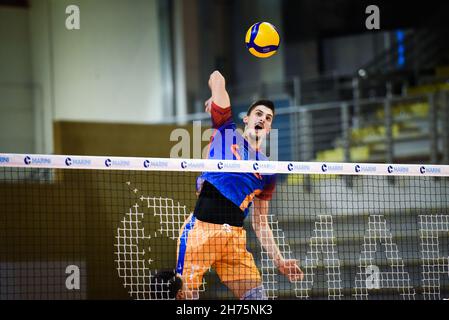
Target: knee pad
<point x="256" y="293"/>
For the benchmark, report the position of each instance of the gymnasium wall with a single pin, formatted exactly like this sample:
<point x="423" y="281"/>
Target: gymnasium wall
<point x="119" y="139"/>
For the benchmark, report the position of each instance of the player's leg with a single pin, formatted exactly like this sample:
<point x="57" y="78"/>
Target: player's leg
<point x="246" y="289"/>
<point x="238" y="271"/>
<point x="194" y="256"/>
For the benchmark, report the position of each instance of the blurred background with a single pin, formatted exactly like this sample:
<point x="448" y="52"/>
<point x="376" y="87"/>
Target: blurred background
<point x="137" y="69"/>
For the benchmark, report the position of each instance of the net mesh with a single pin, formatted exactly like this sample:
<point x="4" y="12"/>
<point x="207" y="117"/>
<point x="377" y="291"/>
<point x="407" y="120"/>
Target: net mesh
<point x="107" y="234"/>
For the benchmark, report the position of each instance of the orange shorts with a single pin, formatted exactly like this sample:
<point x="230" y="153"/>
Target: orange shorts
<point x="202" y="245"/>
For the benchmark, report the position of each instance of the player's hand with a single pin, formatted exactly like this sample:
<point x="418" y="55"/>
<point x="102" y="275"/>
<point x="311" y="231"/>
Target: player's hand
<point x="208" y="105"/>
<point x="216" y="78"/>
<point x="290" y="268"/>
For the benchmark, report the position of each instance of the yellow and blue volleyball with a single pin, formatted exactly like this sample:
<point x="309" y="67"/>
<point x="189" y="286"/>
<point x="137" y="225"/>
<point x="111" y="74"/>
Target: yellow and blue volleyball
<point x="262" y="39"/>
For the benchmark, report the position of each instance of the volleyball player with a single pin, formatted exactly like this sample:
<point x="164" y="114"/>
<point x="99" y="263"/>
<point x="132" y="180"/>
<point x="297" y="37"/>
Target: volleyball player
<point x="213" y="236"/>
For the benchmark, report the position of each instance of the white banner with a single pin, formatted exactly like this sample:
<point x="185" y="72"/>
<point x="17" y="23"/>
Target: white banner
<point x="200" y="165"/>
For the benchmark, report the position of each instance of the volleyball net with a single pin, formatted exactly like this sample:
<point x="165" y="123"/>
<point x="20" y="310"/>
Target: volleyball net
<point x="79" y="227"/>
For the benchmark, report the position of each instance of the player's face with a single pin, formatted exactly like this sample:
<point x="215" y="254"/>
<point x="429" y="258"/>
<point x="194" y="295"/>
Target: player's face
<point x="258" y="123"/>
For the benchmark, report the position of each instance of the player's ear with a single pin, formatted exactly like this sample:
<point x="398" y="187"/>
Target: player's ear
<point x="245" y="120"/>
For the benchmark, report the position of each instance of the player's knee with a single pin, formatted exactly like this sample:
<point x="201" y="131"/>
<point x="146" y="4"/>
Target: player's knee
<point x="256" y="293"/>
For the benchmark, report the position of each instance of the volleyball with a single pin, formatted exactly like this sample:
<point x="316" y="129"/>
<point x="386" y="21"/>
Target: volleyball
<point x="262" y="39"/>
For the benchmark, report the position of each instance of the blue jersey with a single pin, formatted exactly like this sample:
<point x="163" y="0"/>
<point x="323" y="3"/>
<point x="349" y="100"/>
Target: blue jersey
<point x="228" y="144"/>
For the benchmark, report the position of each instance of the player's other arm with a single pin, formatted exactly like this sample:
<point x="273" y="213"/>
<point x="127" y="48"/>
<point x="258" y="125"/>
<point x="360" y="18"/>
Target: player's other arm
<point x="219" y="104"/>
<point x="288" y="267"/>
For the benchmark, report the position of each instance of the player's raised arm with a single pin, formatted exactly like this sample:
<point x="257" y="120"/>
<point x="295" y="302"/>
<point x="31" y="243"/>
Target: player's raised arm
<point x="217" y="85"/>
<point x="219" y="105"/>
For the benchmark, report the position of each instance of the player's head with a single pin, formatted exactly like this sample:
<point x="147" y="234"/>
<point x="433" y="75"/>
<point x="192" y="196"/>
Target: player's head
<point x="166" y="285"/>
<point x="259" y="118"/>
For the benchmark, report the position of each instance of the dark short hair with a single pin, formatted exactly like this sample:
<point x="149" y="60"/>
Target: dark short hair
<point x="163" y="282"/>
<point x="263" y="102"/>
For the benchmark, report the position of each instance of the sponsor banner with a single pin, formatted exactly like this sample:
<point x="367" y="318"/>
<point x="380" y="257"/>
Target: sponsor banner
<point x="117" y="163"/>
<point x="332" y="168"/>
<point x="295" y="167"/>
<point x="78" y="162"/>
<point x="431" y="170"/>
<point x="154" y="164"/>
<point x="264" y="166"/>
<point x="37" y="160"/>
<point x="192" y="165"/>
<point x="202" y="165"/>
<point x="362" y="168"/>
<point x="5" y="160"/>
<point x="398" y="169"/>
<point x="313" y="168"/>
<point x="229" y="166"/>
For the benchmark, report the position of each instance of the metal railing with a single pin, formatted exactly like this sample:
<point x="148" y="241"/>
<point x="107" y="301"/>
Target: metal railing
<point x="387" y="129"/>
<point x="405" y="129"/>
